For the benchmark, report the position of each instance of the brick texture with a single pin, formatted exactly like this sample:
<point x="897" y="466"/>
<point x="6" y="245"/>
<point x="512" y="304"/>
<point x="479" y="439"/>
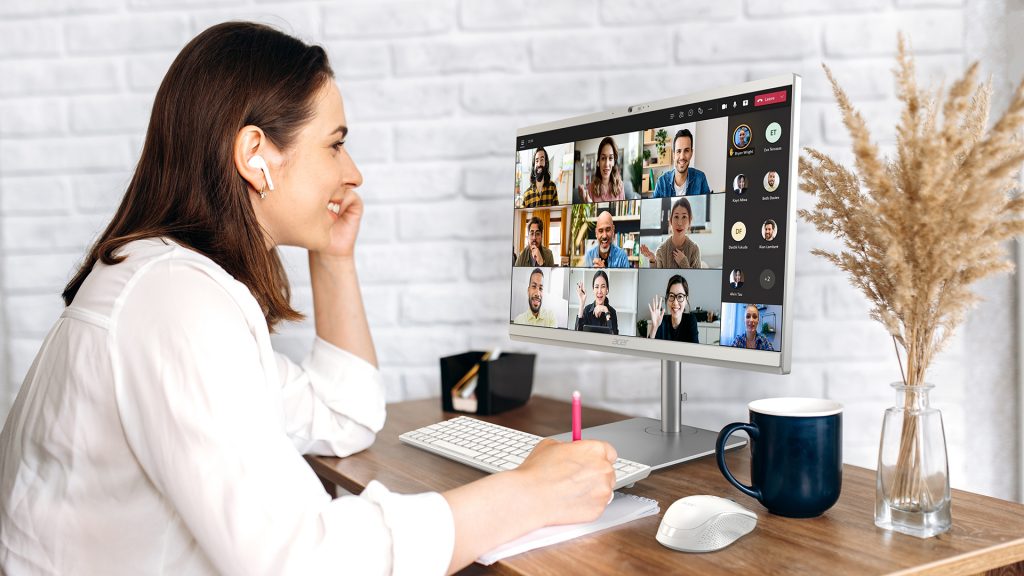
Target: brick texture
<point x="434" y="91"/>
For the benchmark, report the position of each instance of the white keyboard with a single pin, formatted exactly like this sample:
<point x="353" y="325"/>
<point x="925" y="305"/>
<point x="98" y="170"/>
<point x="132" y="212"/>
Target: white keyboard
<point x="493" y="448"/>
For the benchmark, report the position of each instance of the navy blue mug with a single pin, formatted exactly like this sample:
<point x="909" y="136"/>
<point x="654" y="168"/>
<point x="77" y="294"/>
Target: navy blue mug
<point x="796" y="455"/>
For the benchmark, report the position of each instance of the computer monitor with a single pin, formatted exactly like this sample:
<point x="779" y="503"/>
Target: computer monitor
<point x="663" y="229"/>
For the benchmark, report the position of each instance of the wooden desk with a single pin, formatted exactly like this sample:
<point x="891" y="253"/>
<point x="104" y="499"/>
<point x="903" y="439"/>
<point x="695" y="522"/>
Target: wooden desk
<point x="987" y="533"/>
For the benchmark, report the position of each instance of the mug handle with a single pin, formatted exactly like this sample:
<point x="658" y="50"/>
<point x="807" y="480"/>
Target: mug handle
<point x="723" y="437"/>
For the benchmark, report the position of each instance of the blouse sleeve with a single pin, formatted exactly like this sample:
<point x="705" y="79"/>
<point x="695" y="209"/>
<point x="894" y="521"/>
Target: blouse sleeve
<point x="333" y="402"/>
<point x="204" y="422"/>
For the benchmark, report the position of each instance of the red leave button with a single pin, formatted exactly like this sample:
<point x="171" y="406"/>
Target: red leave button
<point x="770" y="98"/>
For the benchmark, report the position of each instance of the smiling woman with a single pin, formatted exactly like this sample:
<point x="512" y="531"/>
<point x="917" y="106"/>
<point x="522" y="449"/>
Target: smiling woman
<point x="158" y="431"/>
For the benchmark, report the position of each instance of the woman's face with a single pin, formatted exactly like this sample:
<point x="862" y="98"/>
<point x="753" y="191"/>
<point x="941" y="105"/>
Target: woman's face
<point x="676" y="299"/>
<point x="310" y="178"/>
<point x="606" y="161"/>
<point x="680" y="222"/>
<point x="752" y="317"/>
<point x="600" y="290"/>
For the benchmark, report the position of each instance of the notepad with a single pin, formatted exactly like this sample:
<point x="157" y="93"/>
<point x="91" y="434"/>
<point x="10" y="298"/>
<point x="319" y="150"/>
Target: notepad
<point x="623" y="508"/>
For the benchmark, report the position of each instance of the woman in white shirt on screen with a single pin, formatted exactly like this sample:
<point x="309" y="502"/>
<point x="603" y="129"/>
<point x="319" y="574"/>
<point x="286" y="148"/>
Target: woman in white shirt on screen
<point x="157" y="432"/>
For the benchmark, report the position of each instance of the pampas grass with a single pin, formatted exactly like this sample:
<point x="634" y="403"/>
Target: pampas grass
<point x="919" y="229"/>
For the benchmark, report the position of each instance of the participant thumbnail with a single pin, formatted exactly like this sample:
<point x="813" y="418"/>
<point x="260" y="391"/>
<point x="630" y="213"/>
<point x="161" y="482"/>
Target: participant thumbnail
<point x="753" y="326"/>
<point x="607" y="169"/>
<point x="683" y="232"/>
<point x="736" y="279"/>
<point x="544" y="176"/>
<point x="771" y="181"/>
<point x="769" y="230"/>
<point x="739" y="184"/>
<point x="685" y="159"/>
<point x="741" y="137"/>
<point x="680" y="305"/>
<point x="603" y="301"/>
<point x="539" y="297"/>
<point x="540" y="237"/>
<point x="604" y="235"/>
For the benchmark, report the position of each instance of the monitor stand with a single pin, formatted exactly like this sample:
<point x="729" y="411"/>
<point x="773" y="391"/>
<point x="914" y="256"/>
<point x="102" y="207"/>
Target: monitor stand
<point x="658" y="443"/>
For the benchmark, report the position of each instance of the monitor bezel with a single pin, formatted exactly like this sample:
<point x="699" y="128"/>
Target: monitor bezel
<point x="721" y="356"/>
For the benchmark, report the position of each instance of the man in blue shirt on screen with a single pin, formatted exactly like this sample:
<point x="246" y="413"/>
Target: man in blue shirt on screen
<point x="684" y="180"/>
<point x="606" y="254"/>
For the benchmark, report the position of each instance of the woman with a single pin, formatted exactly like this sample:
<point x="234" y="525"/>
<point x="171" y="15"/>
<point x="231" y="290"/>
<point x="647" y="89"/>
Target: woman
<point x="678" y="325"/>
<point x="751" y="339"/>
<point x="157" y="432"/>
<point x="677" y="251"/>
<point x="736" y="279"/>
<point x="606" y="182"/>
<point x="599" y="312"/>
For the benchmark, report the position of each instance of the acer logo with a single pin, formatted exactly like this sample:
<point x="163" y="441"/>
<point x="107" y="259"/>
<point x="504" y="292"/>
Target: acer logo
<point x="620" y="342"/>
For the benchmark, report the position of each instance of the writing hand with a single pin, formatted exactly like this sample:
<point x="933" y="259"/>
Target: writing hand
<point x="573" y="479"/>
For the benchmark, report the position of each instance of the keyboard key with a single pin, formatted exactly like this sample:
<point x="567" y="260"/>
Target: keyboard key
<point x="456" y="448"/>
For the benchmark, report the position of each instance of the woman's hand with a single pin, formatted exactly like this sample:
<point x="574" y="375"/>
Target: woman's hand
<point x="657" y="308"/>
<point x="648" y="254"/>
<point x="600" y="310"/>
<point x="680" y="259"/>
<point x="581" y="293"/>
<point x="346" y="228"/>
<point x="573" y="480"/>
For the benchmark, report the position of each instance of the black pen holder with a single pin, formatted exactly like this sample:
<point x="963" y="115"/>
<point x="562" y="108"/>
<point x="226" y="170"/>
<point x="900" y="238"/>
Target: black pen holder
<point x="501" y="384"/>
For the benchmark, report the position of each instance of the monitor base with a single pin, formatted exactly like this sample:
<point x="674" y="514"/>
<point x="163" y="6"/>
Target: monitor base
<point x="642" y="440"/>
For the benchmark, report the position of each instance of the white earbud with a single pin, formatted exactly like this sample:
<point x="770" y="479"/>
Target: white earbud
<point x="258" y="162"/>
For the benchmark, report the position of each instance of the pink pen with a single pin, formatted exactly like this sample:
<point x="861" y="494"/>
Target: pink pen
<point x="577" y="416"/>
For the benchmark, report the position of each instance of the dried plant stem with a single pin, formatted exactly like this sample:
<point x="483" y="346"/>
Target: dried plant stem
<point x="911" y="490"/>
<point x="908" y="243"/>
<point x="903" y="373"/>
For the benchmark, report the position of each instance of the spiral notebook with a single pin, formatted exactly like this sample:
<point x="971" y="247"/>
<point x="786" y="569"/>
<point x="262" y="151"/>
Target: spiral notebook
<point x="623" y="508"/>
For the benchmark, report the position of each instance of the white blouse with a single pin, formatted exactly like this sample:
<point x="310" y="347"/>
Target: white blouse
<point x="157" y="432"/>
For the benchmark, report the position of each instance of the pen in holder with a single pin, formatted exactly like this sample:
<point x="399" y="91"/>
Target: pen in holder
<point x="485" y="382"/>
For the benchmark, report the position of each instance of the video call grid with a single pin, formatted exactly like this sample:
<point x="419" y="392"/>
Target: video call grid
<point x="747" y="132"/>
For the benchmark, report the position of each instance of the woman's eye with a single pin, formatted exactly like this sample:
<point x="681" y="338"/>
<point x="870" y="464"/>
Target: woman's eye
<point x="338" y="145"/>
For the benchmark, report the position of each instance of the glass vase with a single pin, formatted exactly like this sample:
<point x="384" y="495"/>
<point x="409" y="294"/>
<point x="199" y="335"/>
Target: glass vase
<point x="912" y="490"/>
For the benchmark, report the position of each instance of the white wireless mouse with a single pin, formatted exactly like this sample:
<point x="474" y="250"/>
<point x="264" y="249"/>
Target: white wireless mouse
<point x="704" y="524"/>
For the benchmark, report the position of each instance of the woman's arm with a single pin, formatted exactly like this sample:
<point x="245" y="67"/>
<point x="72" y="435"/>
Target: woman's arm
<point x="695" y="256"/>
<point x="559" y="483"/>
<point x="584" y="317"/>
<point x="691" y="329"/>
<point x="338" y="305"/>
<point x="337" y="301"/>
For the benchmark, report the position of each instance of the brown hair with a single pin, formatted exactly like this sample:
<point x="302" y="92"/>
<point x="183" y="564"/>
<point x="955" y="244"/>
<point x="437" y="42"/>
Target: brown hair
<point x="186" y="186"/>
<point x="614" y="180"/>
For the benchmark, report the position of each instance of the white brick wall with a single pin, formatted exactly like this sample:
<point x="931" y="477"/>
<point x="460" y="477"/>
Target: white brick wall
<point x="434" y="91"/>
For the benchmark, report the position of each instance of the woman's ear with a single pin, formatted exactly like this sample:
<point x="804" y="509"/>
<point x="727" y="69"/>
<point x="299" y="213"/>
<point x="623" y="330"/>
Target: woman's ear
<point x="249" y="142"/>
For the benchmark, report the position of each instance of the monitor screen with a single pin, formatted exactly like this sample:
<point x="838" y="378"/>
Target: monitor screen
<point x="663" y="229"/>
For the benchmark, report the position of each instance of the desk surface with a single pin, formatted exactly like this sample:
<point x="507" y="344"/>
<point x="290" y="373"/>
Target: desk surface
<point x="987" y="533"/>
